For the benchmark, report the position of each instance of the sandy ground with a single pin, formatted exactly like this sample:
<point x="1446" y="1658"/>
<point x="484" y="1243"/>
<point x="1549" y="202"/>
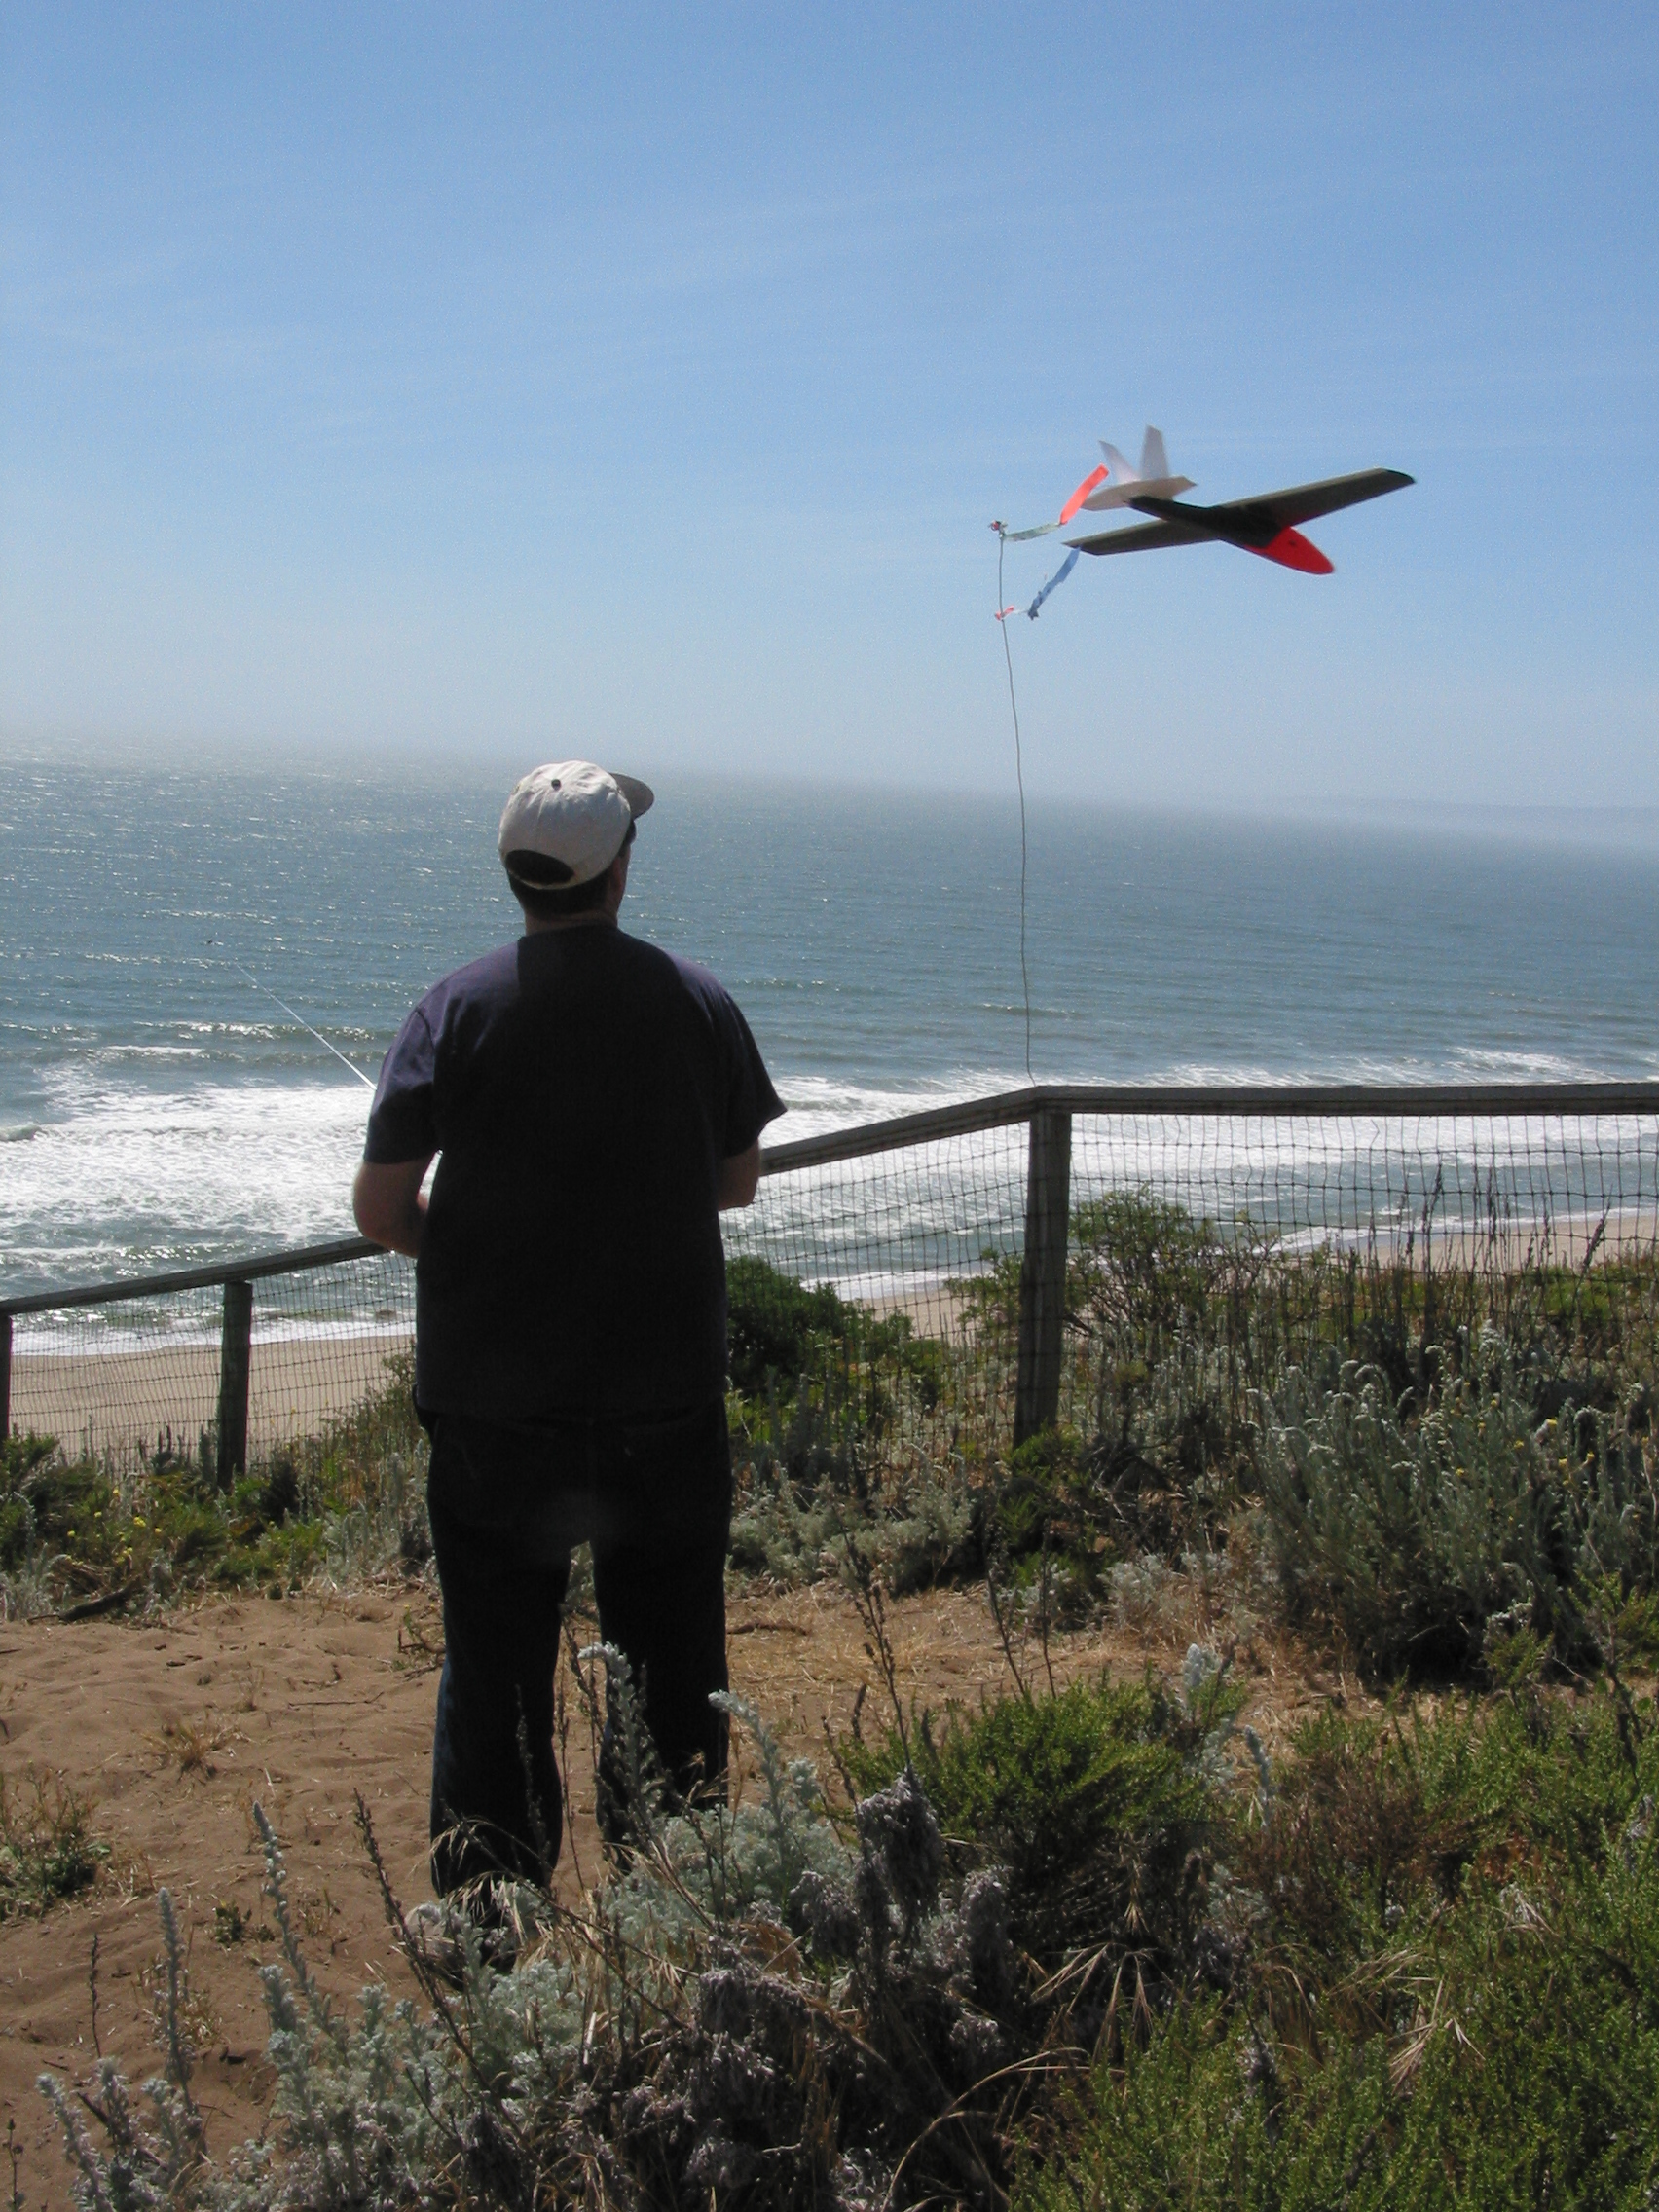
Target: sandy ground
<point x="174" y="1729"/>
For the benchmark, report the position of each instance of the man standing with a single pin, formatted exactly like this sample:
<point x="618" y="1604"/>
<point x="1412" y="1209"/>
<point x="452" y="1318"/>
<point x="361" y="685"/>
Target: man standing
<point x="594" y="1103"/>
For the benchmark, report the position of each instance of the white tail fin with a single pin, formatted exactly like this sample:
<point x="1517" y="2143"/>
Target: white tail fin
<point x="1155" y="461"/>
<point x="1122" y="472"/>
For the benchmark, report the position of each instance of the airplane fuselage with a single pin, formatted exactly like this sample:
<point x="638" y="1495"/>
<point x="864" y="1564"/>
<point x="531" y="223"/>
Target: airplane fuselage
<point x="1250" y="533"/>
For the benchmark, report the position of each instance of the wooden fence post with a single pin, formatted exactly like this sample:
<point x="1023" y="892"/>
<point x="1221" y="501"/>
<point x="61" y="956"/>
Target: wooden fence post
<point x="5" y="1376"/>
<point x="235" y="1345"/>
<point x="1042" y="1273"/>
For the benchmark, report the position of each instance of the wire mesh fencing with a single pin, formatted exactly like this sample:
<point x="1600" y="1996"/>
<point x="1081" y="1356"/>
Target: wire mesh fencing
<point x="956" y="1280"/>
<point x="130" y="1377"/>
<point x="1134" y="1273"/>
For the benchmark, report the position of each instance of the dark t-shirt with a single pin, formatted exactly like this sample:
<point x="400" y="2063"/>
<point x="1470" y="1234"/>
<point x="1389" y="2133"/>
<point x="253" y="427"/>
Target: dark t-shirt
<point x="582" y="1089"/>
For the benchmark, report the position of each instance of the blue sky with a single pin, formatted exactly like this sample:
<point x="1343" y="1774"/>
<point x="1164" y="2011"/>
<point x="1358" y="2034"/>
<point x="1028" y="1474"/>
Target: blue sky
<point x="523" y="381"/>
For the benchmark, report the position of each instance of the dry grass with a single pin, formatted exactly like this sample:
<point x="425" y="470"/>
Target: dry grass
<point x="190" y="1745"/>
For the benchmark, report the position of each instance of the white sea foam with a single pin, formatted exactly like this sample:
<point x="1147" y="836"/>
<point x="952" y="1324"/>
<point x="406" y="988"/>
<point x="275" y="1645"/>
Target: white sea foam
<point x="122" y="1174"/>
<point x="817" y="1104"/>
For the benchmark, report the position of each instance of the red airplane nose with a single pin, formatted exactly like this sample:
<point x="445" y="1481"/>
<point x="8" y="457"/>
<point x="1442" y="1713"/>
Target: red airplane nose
<point x="1291" y="550"/>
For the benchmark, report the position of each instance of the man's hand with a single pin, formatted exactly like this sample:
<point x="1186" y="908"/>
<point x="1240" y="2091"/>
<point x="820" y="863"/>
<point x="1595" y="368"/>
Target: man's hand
<point x="389" y="1205"/>
<point x="738" y="1181"/>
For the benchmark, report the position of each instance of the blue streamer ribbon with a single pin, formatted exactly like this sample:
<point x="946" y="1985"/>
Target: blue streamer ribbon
<point x="1054" y="581"/>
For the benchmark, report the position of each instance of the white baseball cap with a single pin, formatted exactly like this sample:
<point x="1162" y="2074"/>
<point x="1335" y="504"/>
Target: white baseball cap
<point x="566" y="821"/>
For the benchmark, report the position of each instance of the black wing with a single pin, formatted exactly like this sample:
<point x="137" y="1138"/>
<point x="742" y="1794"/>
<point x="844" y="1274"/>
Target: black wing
<point x="1144" y="537"/>
<point x="1270" y="512"/>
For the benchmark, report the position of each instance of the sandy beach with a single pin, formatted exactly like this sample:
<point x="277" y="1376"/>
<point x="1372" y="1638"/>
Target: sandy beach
<point x="115" y="1402"/>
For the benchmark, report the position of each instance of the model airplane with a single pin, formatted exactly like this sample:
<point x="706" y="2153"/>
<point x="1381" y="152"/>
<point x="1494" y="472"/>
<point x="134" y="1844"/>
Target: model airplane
<point x="1264" y="525"/>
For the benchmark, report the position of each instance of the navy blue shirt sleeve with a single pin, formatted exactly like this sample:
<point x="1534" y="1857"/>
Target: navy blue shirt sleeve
<point x="749" y="1101"/>
<point x="402" y="1123"/>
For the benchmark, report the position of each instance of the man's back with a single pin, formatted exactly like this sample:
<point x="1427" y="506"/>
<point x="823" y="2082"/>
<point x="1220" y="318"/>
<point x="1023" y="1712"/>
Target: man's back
<point x="594" y="1103"/>
<point x="582" y="1087"/>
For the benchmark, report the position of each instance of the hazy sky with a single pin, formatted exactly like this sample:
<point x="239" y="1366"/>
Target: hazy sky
<point x="642" y="383"/>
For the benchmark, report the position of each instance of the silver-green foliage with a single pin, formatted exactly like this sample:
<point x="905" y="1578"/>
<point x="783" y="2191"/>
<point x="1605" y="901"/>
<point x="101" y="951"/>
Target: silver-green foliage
<point x="387" y="1528"/>
<point x="144" y="2168"/>
<point x="26" y="1588"/>
<point x="372" y="2105"/>
<point x="1409" y="1531"/>
<point x="921" y="1529"/>
<point x="706" y="1867"/>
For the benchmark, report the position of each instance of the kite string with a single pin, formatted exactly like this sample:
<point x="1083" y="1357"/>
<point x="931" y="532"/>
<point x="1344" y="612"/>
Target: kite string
<point x="235" y="963"/>
<point x="1019" y="778"/>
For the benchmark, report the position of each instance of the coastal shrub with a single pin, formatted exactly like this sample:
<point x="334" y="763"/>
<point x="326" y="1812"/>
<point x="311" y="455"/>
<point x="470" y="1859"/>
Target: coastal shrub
<point x="1415" y="1960"/>
<point x="794" y="1345"/>
<point x="22" y="1456"/>
<point x="924" y="1526"/>
<point x="1410" y="1533"/>
<point x="1163" y="1311"/>
<point x="384" y="1527"/>
<point x="1447" y="1990"/>
<point x="1141" y="1266"/>
<point x="842" y="1417"/>
<point x="777" y="1328"/>
<point x="77" y="1531"/>
<point x="1048" y="1501"/>
<point x="812" y="1441"/>
<point x="854" y="1446"/>
<point x="47" y="1500"/>
<point x="1091" y="1801"/>
<point x="28" y="1581"/>
<point x="1177" y="1325"/>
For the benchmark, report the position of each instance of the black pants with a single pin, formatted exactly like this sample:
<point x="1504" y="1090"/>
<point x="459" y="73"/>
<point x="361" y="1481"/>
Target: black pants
<point x="508" y="1506"/>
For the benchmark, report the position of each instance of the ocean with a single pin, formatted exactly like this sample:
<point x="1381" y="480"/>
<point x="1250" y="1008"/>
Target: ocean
<point x="157" y="1109"/>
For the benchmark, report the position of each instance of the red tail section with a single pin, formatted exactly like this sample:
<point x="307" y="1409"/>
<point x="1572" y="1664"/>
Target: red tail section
<point x="1291" y="550"/>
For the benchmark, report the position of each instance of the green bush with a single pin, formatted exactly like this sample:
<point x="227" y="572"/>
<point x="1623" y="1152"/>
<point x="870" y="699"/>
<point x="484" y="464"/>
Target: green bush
<point x="1142" y="1265"/>
<point x="351" y="1498"/>
<point x="777" y="1328"/>
<point x="1046" y="1500"/>
<point x="756" y="2011"/>
<point x="780" y="1332"/>
<point x="1177" y="1325"/>
<point x="1419" y="1966"/>
<point x="841" y="1432"/>
<point x="1448" y="1993"/>
<point x="1091" y="1801"/>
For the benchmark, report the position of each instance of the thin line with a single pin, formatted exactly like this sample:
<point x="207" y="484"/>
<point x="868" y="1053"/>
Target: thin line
<point x="301" y="1020"/>
<point x="1019" y="778"/>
